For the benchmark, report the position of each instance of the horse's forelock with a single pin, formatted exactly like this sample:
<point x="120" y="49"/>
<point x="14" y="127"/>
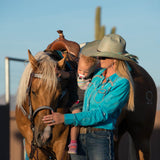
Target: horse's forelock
<point x="46" y="68"/>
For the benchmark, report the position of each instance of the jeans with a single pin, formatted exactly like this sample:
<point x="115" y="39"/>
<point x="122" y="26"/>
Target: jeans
<point x="97" y="145"/>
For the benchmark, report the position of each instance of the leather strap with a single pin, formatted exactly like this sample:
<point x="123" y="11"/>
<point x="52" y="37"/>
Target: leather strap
<point x="84" y="130"/>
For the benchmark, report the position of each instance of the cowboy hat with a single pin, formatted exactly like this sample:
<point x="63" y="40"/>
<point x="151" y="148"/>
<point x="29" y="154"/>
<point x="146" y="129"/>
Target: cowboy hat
<point x="89" y="48"/>
<point x="111" y="46"/>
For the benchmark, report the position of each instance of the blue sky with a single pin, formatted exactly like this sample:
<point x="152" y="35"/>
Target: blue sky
<point x="32" y="24"/>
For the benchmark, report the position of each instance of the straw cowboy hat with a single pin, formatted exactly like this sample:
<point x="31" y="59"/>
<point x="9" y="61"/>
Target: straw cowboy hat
<point x="111" y="46"/>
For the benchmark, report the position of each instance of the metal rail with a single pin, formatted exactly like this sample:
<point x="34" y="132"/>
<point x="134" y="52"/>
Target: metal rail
<point x="7" y="77"/>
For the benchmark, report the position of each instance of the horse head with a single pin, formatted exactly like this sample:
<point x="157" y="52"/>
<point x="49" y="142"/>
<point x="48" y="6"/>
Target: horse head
<point x="40" y="92"/>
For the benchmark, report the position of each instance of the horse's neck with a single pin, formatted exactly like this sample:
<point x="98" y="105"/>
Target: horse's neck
<point x="25" y="105"/>
<point x="62" y="110"/>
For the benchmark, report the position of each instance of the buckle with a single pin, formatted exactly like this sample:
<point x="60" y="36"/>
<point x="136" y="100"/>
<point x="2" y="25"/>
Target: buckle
<point x="83" y="130"/>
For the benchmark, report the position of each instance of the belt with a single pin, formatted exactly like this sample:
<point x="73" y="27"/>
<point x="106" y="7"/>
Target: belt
<point x="84" y="130"/>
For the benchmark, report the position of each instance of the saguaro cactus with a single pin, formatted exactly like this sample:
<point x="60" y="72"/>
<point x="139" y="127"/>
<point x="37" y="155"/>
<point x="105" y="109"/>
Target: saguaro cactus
<point x="99" y="30"/>
<point x="113" y="30"/>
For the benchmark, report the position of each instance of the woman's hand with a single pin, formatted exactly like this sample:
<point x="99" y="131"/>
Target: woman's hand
<point x="54" y="118"/>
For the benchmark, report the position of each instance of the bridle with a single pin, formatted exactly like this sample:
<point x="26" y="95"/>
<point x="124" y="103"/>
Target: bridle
<point x="31" y="115"/>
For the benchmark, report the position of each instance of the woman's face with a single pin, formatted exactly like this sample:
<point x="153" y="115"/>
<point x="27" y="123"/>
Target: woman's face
<point x="106" y="62"/>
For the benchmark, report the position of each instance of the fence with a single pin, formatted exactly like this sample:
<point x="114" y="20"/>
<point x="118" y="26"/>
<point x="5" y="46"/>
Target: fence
<point x="14" y="68"/>
<point x="11" y="141"/>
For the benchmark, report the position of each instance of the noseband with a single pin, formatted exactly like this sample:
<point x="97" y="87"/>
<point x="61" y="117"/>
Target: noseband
<point x="31" y="115"/>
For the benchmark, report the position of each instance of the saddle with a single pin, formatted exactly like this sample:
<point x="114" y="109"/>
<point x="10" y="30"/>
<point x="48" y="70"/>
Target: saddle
<point x="63" y="44"/>
<point x="59" y="49"/>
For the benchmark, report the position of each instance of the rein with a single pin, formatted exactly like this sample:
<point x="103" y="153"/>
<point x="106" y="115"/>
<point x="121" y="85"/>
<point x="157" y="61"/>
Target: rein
<point x="31" y="115"/>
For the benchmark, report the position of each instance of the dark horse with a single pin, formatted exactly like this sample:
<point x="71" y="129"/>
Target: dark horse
<point x="139" y="123"/>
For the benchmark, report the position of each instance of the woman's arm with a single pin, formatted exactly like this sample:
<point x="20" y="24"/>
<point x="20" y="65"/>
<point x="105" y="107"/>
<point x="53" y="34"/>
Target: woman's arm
<point x="117" y="98"/>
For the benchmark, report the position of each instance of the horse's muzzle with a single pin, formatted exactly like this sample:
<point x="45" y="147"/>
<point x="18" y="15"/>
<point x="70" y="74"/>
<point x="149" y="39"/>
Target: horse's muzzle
<point x="44" y="136"/>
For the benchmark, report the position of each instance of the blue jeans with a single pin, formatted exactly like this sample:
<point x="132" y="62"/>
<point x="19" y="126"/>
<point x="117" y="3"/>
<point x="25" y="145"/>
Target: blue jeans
<point x="97" y="145"/>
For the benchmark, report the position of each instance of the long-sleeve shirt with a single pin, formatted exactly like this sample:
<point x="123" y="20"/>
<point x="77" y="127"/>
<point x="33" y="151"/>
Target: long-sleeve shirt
<point x="103" y="102"/>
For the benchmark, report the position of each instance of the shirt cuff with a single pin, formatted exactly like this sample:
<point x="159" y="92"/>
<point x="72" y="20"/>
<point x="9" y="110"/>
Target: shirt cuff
<point x="68" y="119"/>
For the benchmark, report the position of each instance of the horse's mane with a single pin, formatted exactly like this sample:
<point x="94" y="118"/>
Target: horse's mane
<point x="47" y="70"/>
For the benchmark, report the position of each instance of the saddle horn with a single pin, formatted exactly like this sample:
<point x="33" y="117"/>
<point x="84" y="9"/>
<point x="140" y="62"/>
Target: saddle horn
<point x="63" y="44"/>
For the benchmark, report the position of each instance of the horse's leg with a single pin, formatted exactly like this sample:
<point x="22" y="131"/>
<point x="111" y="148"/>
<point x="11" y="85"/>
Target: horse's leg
<point x="133" y="154"/>
<point x="144" y="150"/>
<point x="59" y="146"/>
<point x="116" y="145"/>
<point x="139" y="149"/>
<point x="118" y="133"/>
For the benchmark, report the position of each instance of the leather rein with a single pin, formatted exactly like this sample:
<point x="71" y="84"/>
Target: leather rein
<point x="31" y="115"/>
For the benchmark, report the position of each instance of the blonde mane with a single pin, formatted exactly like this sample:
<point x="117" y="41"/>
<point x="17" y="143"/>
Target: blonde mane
<point x="46" y="69"/>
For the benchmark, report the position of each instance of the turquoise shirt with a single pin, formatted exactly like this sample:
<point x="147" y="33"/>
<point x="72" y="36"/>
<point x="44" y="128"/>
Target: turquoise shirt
<point x="103" y="102"/>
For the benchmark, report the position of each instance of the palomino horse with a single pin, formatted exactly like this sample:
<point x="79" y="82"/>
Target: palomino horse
<point x="139" y="123"/>
<point x="39" y="93"/>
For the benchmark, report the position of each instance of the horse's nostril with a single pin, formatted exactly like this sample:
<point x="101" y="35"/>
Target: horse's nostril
<point x="44" y="136"/>
<point x="39" y="141"/>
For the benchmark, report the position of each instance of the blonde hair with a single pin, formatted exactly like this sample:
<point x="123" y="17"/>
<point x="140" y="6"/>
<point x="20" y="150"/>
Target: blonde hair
<point x="92" y="61"/>
<point x="47" y="66"/>
<point x="123" y="71"/>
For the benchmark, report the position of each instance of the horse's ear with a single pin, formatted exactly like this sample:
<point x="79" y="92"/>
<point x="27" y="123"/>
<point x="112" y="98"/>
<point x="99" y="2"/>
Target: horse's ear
<point x="62" y="62"/>
<point x="32" y="60"/>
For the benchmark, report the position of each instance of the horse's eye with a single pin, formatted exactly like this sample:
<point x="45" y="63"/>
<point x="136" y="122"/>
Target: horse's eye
<point x="33" y="92"/>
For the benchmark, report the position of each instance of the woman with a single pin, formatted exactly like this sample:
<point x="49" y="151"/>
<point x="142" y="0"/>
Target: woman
<point x="109" y="91"/>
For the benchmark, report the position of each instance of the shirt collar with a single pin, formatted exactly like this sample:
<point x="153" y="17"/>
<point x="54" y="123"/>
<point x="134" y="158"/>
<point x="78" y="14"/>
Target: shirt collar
<point x="112" y="78"/>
